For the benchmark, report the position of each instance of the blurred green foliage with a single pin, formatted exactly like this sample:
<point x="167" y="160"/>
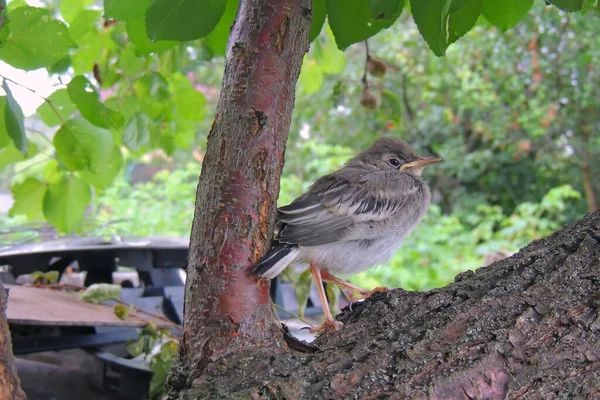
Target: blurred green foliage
<point x="513" y="115"/>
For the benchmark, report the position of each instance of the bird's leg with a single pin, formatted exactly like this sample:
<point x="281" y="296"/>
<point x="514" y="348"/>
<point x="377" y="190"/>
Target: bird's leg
<point x="362" y="293"/>
<point x="329" y="321"/>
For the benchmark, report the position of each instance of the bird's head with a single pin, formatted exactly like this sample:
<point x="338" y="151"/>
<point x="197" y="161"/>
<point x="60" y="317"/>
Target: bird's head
<point x="393" y="154"/>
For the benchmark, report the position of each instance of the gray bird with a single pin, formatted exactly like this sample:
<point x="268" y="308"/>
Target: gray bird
<point x="352" y="219"/>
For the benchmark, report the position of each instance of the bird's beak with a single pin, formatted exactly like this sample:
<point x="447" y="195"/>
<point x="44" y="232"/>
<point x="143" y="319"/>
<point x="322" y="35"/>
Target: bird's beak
<point x="420" y="163"/>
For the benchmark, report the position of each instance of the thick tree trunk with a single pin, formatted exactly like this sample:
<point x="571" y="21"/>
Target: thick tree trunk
<point x="524" y="327"/>
<point x="227" y="311"/>
<point x="10" y="385"/>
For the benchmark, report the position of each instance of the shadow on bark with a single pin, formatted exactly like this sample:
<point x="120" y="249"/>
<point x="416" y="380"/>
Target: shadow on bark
<point x="527" y="326"/>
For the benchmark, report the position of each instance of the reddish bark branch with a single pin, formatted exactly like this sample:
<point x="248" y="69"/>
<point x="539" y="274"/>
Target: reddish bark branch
<point x="226" y="309"/>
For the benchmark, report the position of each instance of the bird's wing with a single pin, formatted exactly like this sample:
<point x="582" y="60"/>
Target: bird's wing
<point x="335" y="203"/>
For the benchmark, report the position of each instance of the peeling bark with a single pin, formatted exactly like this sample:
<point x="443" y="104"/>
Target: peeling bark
<point x="226" y="309"/>
<point x="524" y="327"/>
<point x="10" y="384"/>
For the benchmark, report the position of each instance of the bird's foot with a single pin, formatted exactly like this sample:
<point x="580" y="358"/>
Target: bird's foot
<point x="367" y="293"/>
<point x="328" y="324"/>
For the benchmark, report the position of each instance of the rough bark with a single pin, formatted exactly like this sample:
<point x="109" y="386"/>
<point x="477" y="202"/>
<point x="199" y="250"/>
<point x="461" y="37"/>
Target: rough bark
<point x="226" y="309"/>
<point x="524" y="327"/>
<point x="10" y="385"/>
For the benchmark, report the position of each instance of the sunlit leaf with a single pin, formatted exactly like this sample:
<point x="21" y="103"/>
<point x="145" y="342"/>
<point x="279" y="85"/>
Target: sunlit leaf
<point x="14" y="120"/>
<point x="216" y="40"/>
<point x="100" y="292"/>
<point x="83" y="146"/>
<point x="84" y="22"/>
<point x="57" y="109"/>
<point x="65" y="202"/>
<point x="182" y="20"/>
<point x="36" y="39"/>
<point x="85" y="97"/>
<point x="28" y="197"/>
<point x="189" y="102"/>
<point x="126" y="10"/>
<point x="90" y="49"/>
<point x="505" y="14"/>
<point x="70" y="9"/>
<point x="103" y="177"/>
<point x="136" y="30"/>
<point x="311" y="76"/>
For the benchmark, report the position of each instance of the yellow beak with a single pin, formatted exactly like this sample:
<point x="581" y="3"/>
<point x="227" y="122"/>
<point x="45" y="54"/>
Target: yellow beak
<point x="420" y="163"/>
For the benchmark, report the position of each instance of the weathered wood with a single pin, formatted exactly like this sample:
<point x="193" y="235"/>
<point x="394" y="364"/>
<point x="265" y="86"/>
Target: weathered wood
<point x="10" y="385"/>
<point x="36" y="306"/>
<point x="524" y="327"/>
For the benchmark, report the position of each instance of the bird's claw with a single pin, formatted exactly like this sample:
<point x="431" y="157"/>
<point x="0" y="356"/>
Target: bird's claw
<point x="335" y="325"/>
<point x="366" y="294"/>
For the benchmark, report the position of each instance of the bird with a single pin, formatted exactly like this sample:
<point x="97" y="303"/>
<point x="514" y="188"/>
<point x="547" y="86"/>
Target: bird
<point x="351" y="219"/>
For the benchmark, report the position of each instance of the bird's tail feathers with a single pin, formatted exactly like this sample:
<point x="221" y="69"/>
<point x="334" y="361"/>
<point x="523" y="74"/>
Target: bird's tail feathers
<point x="276" y="260"/>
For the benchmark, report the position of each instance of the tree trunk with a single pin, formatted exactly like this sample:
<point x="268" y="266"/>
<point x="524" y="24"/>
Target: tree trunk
<point x="227" y="311"/>
<point x="10" y="385"/>
<point x="524" y="327"/>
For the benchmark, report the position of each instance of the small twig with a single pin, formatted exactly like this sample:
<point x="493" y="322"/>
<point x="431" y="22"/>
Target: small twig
<point x="292" y="314"/>
<point x="49" y="102"/>
<point x="364" y="79"/>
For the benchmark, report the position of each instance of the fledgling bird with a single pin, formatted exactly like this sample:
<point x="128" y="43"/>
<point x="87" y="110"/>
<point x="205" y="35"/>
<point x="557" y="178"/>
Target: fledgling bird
<point x="352" y="219"/>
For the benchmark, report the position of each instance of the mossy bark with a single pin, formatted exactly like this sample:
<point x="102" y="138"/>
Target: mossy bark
<point x="524" y="327"/>
<point x="10" y="385"/>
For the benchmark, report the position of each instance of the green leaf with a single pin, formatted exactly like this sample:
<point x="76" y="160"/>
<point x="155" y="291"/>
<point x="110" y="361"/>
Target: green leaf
<point x="391" y="103"/>
<point x="442" y="22"/>
<point x="311" y="76"/>
<point x="36" y="39"/>
<point x="61" y="110"/>
<point x="352" y="24"/>
<point x="189" y="102"/>
<point x="85" y="97"/>
<point x="137" y="132"/>
<point x="568" y="5"/>
<point x="385" y="9"/>
<point x="14" y="121"/>
<point x="70" y="9"/>
<point x="10" y="155"/>
<point x="126" y="10"/>
<point x="100" y="292"/>
<point x="129" y="62"/>
<point x="319" y="12"/>
<point x="60" y="66"/>
<point x="462" y="18"/>
<point x="90" y="49"/>
<point x="505" y="14"/>
<point x="4" y="30"/>
<point x="182" y="20"/>
<point x="28" y="197"/>
<point x="302" y="289"/>
<point x="65" y="202"/>
<point x="83" y="146"/>
<point x="84" y="22"/>
<point x="121" y="311"/>
<point x="103" y="177"/>
<point x="51" y="277"/>
<point x="136" y="30"/>
<point x="5" y="139"/>
<point x="216" y="40"/>
<point x="330" y="59"/>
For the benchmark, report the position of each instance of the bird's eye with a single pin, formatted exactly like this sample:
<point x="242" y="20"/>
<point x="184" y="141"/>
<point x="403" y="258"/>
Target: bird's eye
<point x="394" y="162"/>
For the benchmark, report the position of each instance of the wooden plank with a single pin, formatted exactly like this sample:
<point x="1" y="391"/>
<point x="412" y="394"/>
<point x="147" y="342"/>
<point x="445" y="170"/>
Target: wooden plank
<point x="36" y="306"/>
